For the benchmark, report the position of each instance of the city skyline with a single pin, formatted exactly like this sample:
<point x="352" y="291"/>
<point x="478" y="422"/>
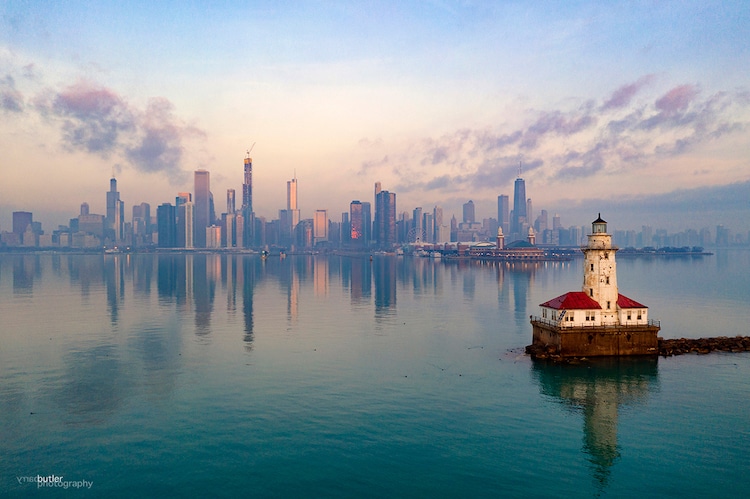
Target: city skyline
<point x="439" y="102"/>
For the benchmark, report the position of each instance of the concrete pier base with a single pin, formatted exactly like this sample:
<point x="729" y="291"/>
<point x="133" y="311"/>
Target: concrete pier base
<point x="550" y="340"/>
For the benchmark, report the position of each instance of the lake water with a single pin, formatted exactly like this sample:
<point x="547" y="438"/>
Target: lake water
<point x="227" y="375"/>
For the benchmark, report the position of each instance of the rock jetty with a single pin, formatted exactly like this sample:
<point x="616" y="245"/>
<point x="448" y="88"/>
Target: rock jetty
<point x="680" y="346"/>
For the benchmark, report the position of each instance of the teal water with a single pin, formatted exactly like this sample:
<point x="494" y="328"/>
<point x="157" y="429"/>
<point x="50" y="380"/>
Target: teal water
<point x="215" y="375"/>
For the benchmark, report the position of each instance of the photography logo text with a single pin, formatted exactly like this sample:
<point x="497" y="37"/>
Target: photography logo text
<point x="55" y="481"/>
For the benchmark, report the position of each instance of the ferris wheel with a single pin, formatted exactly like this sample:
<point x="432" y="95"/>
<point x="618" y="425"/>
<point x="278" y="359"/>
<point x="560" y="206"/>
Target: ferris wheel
<point x="416" y="235"/>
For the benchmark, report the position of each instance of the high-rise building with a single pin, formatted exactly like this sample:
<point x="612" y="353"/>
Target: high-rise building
<point x="320" y="226"/>
<point x="428" y="226"/>
<point x="385" y="213"/>
<point x="142" y="224"/>
<point x="367" y="222"/>
<point x="230" y="201"/>
<point x="291" y="194"/>
<point x="165" y="226"/>
<point x="115" y="218"/>
<point x="346" y="229"/>
<point x="21" y="220"/>
<point x="356" y="222"/>
<point x="184" y="220"/>
<point x="469" y="216"/>
<point x="247" y="205"/>
<point x="556" y="222"/>
<point x="519" y="207"/>
<point x="503" y="213"/>
<point x="247" y="185"/>
<point x="529" y="211"/>
<point x="202" y="217"/>
<point x="437" y="220"/>
<point x="418" y="228"/>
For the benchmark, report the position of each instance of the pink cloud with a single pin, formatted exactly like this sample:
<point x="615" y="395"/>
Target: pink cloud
<point x="677" y="99"/>
<point x="623" y="95"/>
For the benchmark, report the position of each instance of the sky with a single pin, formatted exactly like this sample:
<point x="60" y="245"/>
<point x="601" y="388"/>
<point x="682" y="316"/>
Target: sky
<point x="639" y="110"/>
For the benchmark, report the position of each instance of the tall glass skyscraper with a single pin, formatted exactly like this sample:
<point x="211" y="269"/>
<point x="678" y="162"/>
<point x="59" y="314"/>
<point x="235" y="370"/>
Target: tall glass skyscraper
<point x="469" y="213"/>
<point x="519" y="206"/>
<point x="356" y="223"/>
<point x="202" y="208"/>
<point x="246" y="217"/>
<point x="247" y="185"/>
<point x="385" y="214"/>
<point x="115" y="219"/>
<point x="503" y="213"/>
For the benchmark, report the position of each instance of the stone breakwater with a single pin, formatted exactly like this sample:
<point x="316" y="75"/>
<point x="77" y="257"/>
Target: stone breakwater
<point x="667" y="348"/>
<point x="680" y="346"/>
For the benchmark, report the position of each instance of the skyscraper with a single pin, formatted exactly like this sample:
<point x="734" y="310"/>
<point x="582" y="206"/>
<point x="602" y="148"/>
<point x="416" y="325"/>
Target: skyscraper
<point x="291" y="194"/>
<point x="366" y="222"/>
<point x="115" y="219"/>
<point x="469" y="216"/>
<point x="247" y="223"/>
<point x="184" y="220"/>
<point x="230" y="201"/>
<point x="165" y="225"/>
<point x="247" y="185"/>
<point x="21" y="220"/>
<point x="519" y="207"/>
<point x="419" y="232"/>
<point x="441" y="233"/>
<point x="356" y="223"/>
<point x="202" y="209"/>
<point x="385" y="213"/>
<point x="503" y="213"/>
<point x="320" y="226"/>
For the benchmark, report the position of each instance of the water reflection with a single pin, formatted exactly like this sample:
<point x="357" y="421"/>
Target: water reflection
<point x="598" y="389"/>
<point x="93" y="385"/>
<point x="25" y="267"/>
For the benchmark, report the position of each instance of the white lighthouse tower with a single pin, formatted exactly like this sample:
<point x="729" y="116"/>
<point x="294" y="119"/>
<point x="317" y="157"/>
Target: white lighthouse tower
<point x="600" y="272"/>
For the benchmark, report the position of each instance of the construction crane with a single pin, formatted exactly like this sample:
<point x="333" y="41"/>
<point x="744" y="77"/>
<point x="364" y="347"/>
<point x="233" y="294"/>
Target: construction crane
<point x="251" y="148"/>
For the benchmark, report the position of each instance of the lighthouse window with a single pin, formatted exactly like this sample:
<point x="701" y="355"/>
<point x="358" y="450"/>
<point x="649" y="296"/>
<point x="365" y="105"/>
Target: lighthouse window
<point x="544" y="313"/>
<point x="606" y="256"/>
<point x="629" y="314"/>
<point x="591" y="292"/>
<point x="592" y="267"/>
<point x="639" y="315"/>
<point x="607" y="305"/>
<point x="607" y="280"/>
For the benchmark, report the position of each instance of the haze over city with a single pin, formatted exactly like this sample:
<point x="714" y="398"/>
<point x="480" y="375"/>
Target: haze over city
<point x="640" y="110"/>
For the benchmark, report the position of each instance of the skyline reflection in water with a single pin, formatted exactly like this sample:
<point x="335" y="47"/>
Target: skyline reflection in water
<point x="397" y="374"/>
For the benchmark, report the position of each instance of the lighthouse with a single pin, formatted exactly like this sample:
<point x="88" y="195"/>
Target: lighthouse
<point x="598" y="320"/>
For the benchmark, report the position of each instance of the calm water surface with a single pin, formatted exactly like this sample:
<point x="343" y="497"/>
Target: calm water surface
<point x="215" y="375"/>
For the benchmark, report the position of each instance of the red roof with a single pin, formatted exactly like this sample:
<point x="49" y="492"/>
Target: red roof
<point x="625" y="302"/>
<point x="572" y="300"/>
<point x="578" y="300"/>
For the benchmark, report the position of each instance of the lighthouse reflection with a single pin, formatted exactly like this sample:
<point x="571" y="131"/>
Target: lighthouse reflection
<point x="598" y="389"/>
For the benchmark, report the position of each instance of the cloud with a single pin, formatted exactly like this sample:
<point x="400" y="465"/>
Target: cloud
<point x="582" y="141"/>
<point x="555" y="122"/>
<point x="10" y="98"/>
<point x="92" y="117"/>
<point x="97" y="120"/>
<point x="623" y="95"/>
<point x="158" y="146"/>
<point x="676" y="99"/>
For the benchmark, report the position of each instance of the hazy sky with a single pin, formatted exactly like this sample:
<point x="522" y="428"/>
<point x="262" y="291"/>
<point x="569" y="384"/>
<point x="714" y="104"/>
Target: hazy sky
<point x="610" y="106"/>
